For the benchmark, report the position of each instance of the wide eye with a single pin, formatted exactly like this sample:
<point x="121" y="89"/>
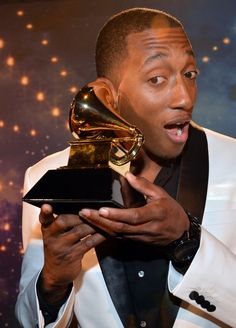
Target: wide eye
<point x="191" y="74"/>
<point x="157" y="80"/>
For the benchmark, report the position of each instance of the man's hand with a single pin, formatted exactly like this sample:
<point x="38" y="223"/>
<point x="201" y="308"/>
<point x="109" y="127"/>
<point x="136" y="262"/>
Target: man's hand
<point x="66" y="239"/>
<point x="159" y="222"/>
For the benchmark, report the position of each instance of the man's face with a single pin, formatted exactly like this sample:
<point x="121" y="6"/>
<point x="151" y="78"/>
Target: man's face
<point x="157" y="88"/>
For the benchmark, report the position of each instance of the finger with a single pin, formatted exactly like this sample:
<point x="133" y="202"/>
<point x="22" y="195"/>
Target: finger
<point x="131" y="197"/>
<point x="114" y="227"/>
<point x="116" y="220"/>
<point x="144" y="186"/>
<point x="79" y="232"/>
<point x="64" y="223"/>
<point x="89" y="242"/>
<point x="131" y="216"/>
<point x="46" y="216"/>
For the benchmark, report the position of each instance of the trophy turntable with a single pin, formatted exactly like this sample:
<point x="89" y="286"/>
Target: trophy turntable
<point x="103" y="143"/>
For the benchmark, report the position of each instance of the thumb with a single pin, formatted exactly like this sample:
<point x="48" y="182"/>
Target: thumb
<point x="145" y="187"/>
<point x="46" y="216"/>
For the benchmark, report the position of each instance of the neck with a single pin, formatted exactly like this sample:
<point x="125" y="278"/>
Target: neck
<point x="149" y="166"/>
<point x="146" y="167"/>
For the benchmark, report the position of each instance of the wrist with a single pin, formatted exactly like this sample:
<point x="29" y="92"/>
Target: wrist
<point x="182" y="251"/>
<point x="52" y="291"/>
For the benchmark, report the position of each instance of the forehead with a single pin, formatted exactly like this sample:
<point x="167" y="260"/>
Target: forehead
<point x="164" y="39"/>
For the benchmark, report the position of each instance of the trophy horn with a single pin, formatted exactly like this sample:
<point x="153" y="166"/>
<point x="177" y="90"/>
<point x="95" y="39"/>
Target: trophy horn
<point x="90" y="119"/>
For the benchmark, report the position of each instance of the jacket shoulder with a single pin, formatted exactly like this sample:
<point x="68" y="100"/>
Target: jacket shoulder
<point x="51" y="162"/>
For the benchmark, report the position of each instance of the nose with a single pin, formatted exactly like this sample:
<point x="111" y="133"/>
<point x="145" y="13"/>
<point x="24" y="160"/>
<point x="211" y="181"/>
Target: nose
<point x="183" y="94"/>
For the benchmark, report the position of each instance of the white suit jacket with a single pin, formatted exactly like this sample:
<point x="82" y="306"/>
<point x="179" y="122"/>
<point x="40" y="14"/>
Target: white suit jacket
<point x="211" y="274"/>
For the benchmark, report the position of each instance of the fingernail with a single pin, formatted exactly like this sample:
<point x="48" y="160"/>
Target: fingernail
<point x="84" y="212"/>
<point x="130" y="175"/>
<point x="103" y="211"/>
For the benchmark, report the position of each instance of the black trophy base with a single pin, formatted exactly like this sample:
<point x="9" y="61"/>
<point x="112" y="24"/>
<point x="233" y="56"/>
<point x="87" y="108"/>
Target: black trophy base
<point x="70" y="190"/>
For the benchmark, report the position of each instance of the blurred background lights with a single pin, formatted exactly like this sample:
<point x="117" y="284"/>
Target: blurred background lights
<point x="16" y="128"/>
<point x="205" y="59"/>
<point x="2" y="123"/>
<point x="3" y="248"/>
<point x="10" y="61"/>
<point x="63" y="72"/>
<point x="6" y="226"/>
<point x="20" y="13"/>
<point x="40" y="96"/>
<point x="24" y="80"/>
<point x="44" y="42"/>
<point x="29" y="26"/>
<point x="54" y="59"/>
<point x="33" y="132"/>
<point x="55" y="111"/>
<point x="226" y="41"/>
<point x="73" y="89"/>
<point x="215" y="48"/>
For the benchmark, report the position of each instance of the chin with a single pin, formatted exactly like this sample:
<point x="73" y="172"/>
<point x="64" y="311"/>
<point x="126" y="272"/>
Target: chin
<point x="162" y="155"/>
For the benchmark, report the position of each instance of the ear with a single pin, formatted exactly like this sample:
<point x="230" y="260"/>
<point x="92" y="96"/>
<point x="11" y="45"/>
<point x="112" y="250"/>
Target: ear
<point x="105" y="91"/>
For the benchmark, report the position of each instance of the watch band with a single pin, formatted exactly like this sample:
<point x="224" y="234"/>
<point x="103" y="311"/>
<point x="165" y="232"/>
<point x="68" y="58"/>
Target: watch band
<point x="183" y="250"/>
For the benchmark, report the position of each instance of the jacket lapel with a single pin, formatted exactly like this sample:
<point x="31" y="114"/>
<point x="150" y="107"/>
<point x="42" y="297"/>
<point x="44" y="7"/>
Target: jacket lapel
<point x="108" y="254"/>
<point x="193" y="179"/>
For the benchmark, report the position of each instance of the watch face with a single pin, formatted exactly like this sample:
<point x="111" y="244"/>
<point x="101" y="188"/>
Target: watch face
<point x="185" y="251"/>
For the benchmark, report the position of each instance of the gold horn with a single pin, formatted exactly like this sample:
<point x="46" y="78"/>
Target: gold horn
<point x="90" y="120"/>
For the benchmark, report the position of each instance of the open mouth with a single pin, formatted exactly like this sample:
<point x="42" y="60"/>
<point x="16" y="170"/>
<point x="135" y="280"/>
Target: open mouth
<point x="177" y="128"/>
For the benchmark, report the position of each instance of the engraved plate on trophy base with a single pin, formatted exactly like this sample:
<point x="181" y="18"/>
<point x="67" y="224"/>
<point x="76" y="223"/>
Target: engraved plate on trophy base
<point x="70" y="190"/>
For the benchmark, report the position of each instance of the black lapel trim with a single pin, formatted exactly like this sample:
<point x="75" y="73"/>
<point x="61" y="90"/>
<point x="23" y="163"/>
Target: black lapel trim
<point x="108" y="254"/>
<point x="193" y="179"/>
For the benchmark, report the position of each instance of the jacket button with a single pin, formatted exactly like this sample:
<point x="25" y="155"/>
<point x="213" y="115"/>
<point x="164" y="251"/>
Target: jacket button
<point x="211" y="308"/>
<point x="193" y="295"/>
<point x="200" y="299"/>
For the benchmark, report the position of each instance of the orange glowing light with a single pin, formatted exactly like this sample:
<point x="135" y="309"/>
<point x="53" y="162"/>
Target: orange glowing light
<point x="205" y="59"/>
<point x="2" y="123"/>
<point x="20" y="13"/>
<point x="10" y="61"/>
<point x="16" y="128"/>
<point x="54" y="59"/>
<point x="2" y="43"/>
<point x="29" y="26"/>
<point x="73" y="89"/>
<point x="11" y="183"/>
<point x="24" y="80"/>
<point x="40" y="96"/>
<point x="6" y="227"/>
<point x="44" y="42"/>
<point x="226" y="41"/>
<point x="56" y="112"/>
<point x="3" y="248"/>
<point x="63" y="73"/>
<point x="33" y="132"/>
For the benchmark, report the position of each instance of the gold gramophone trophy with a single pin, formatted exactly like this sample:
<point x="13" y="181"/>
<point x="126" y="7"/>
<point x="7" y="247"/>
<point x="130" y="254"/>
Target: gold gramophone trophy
<point x="104" y="142"/>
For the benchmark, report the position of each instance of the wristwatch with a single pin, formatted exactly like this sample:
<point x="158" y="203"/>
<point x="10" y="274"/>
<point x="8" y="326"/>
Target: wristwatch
<point x="183" y="250"/>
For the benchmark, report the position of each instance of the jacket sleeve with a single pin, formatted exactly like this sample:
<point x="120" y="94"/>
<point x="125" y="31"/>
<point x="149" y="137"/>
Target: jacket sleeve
<point x="209" y="283"/>
<point x="27" y="307"/>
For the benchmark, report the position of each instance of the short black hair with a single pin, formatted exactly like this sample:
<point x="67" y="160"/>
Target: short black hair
<point x="111" y="42"/>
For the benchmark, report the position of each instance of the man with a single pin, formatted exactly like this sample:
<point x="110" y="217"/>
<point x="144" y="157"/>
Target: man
<point x="145" y="60"/>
